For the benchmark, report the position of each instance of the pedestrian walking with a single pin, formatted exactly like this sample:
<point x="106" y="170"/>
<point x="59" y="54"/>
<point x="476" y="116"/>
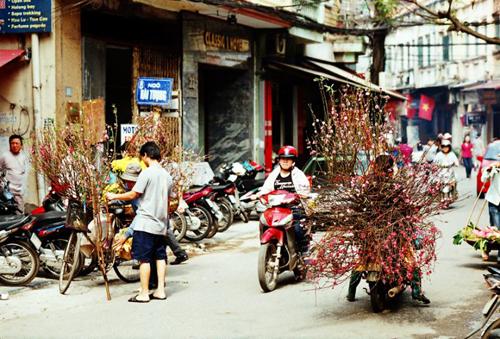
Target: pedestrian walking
<point x="152" y="189"/>
<point x="15" y="165"/>
<point x="466" y="155"/>
<point x="430" y="150"/>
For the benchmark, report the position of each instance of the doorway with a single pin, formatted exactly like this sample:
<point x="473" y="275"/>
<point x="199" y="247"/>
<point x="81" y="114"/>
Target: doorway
<point x="118" y="86"/>
<point x="225" y="113"/>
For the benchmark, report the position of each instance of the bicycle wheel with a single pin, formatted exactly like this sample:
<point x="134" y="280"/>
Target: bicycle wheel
<point x="126" y="270"/>
<point x="179" y="225"/>
<point x="71" y="262"/>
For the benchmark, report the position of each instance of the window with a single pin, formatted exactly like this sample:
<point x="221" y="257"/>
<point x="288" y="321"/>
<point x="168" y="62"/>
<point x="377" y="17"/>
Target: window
<point x="401" y="58"/>
<point x="497" y="31"/>
<point x="420" y="46"/>
<point x="467" y="46"/>
<point x="428" y="41"/>
<point x="446" y="48"/>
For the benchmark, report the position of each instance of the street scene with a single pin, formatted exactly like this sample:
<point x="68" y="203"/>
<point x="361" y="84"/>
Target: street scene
<point x="249" y="168"/>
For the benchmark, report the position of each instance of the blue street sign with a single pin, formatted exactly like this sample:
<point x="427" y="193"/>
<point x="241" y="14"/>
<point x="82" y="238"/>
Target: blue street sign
<point x="25" y="16"/>
<point x="154" y="91"/>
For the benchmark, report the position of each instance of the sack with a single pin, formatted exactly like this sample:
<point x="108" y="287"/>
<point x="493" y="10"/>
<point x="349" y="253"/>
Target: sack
<point x="78" y="216"/>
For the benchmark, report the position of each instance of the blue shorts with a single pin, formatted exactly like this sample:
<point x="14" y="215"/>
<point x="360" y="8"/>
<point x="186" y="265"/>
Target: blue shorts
<point x="147" y="247"/>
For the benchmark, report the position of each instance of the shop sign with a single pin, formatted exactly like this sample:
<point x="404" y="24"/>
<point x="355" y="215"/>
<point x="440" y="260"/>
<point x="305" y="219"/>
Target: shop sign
<point x="476" y="119"/>
<point x="154" y="91"/>
<point x="25" y="16"/>
<point x="226" y="42"/>
<point x="489" y="97"/>
<point x="127" y="131"/>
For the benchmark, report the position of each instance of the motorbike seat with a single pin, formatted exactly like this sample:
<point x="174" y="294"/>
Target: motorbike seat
<point x="49" y="218"/>
<point x="8" y="222"/>
<point x="219" y="188"/>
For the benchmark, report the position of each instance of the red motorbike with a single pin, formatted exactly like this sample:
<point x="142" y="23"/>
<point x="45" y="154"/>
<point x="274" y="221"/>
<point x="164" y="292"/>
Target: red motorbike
<point x="278" y="250"/>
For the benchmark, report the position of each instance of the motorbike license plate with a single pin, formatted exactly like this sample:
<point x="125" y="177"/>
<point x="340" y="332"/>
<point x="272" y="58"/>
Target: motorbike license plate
<point x="35" y="241"/>
<point x="232" y="199"/>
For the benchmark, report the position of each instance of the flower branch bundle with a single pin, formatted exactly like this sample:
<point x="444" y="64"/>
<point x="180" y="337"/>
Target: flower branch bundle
<point x="372" y="212"/>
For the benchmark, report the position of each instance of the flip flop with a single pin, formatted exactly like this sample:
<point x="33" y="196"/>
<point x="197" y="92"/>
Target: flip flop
<point x="135" y="300"/>
<point x="152" y="297"/>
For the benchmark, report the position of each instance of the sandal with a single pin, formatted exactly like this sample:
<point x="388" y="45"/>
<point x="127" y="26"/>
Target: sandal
<point x="135" y="300"/>
<point x="153" y="297"/>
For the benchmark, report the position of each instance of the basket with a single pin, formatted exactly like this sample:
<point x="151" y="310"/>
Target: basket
<point x="78" y="216"/>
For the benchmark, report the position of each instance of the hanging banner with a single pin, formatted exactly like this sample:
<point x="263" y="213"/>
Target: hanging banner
<point x="154" y="91"/>
<point x="25" y="16"/>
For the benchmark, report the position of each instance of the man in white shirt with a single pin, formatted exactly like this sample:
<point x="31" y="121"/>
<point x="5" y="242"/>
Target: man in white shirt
<point x="492" y="173"/>
<point x="15" y="164"/>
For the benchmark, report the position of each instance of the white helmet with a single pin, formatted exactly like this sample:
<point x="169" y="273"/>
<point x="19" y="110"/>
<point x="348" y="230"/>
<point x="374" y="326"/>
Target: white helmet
<point x="447" y="136"/>
<point x="445" y="142"/>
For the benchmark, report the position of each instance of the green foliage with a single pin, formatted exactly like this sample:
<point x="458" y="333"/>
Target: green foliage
<point x="385" y="11"/>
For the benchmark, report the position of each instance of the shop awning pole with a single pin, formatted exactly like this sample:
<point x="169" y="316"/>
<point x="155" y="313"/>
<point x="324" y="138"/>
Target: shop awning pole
<point x="37" y="103"/>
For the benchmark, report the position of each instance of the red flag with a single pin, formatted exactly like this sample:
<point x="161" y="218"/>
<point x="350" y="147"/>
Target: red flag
<point x="411" y="110"/>
<point x="391" y="107"/>
<point x="426" y="107"/>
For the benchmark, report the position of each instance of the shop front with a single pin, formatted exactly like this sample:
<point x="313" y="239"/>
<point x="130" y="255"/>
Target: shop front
<point x="218" y="89"/>
<point x="117" y="50"/>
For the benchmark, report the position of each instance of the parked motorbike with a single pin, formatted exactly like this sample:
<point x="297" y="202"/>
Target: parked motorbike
<point x="492" y="331"/>
<point x="49" y="237"/>
<point x="243" y="176"/>
<point x="278" y="251"/>
<point x="19" y="261"/>
<point x="200" y="213"/>
<point x="7" y="203"/>
<point x="223" y="196"/>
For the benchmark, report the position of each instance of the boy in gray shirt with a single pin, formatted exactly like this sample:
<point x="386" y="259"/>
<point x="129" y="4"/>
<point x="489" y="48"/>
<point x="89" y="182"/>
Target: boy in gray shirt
<point x="152" y="190"/>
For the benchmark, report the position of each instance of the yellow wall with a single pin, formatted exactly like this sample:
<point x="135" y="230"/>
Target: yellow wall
<point x="60" y="66"/>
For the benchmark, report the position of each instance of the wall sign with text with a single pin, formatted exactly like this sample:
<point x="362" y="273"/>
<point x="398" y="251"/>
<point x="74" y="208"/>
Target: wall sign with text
<point x="154" y="91"/>
<point x="25" y="16"/>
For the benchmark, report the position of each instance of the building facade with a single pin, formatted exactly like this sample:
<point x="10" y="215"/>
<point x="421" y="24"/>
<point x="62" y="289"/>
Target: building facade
<point x="458" y="72"/>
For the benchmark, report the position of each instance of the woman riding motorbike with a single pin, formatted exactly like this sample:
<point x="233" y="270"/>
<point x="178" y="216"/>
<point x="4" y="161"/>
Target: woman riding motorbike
<point x="289" y="178"/>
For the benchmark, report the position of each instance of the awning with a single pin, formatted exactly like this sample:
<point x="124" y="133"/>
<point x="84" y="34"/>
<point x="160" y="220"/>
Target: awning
<point x="357" y="81"/>
<point x="7" y="55"/>
<point x="308" y="71"/>
<point x="491" y="85"/>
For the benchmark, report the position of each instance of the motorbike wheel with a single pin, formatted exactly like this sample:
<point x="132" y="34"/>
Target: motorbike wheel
<point x="88" y="264"/>
<point x="492" y="331"/>
<point x="244" y="216"/>
<point x="71" y="262"/>
<point x="205" y="226"/>
<point x="53" y="271"/>
<point x="179" y="225"/>
<point x="378" y="296"/>
<point x="126" y="270"/>
<point x="265" y="270"/>
<point x="29" y="262"/>
<point x="227" y="211"/>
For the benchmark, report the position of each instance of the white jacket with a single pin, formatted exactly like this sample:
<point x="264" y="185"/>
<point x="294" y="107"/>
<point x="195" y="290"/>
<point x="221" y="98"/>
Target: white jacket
<point x="493" y="194"/>
<point x="299" y="180"/>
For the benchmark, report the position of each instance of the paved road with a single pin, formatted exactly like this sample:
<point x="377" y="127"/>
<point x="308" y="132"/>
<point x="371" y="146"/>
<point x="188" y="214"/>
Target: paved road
<point x="217" y="294"/>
